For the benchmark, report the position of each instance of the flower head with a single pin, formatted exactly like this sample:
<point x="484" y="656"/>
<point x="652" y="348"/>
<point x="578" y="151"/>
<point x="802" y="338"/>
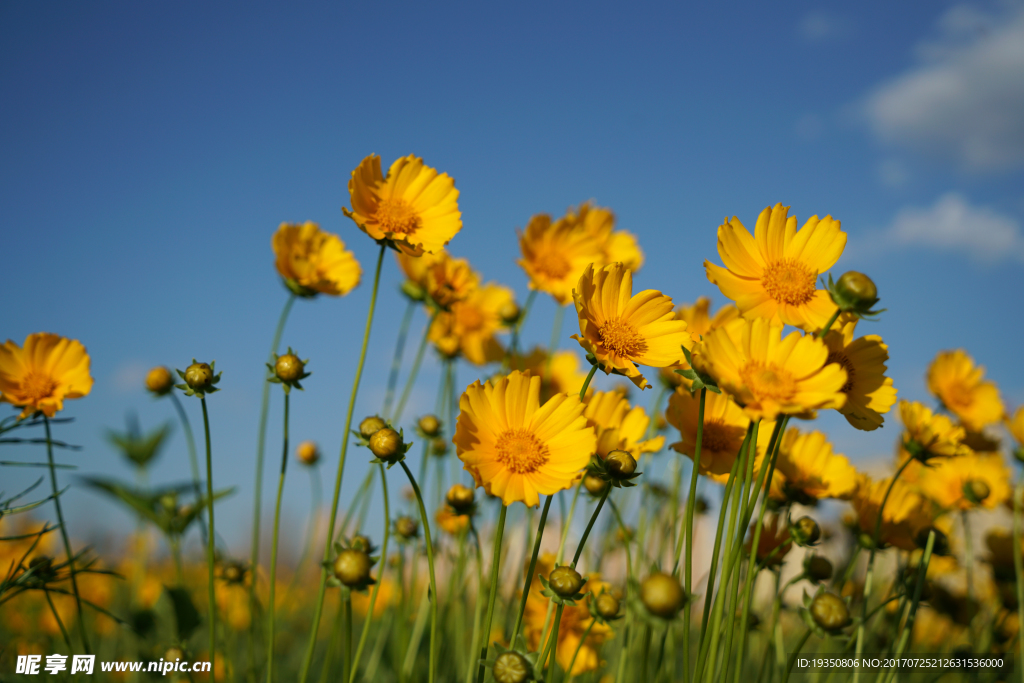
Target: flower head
<point x="807" y="469"/>
<point x="904" y="515"/>
<point x="954" y="483"/>
<point x="1016" y="427"/>
<point x="414" y="208"/>
<point x="956" y="381"/>
<point x="450" y="521"/>
<point x="42" y="373"/>
<point x="616" y="245"/>
<point x="450" y="280"/>
<point x="619" y="427"/>
<point x="555" y="254"/>
<point x="769" y="374"/>
<point x="869" y="393"/>
<point x="469" y="328"/>
<point x="621" y="330"/>
<point x="516" y="448"/>
<point x="561" y="374"/>
<point x="699" y="322"/>
<point x="159" y="380"/>
<point x="927" y="435"/>
<point x="773" y="273"/>
<point x="313" y="261"/>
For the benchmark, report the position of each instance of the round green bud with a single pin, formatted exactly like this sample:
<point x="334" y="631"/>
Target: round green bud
<point x="407" y="527"/>
<point x="199" y="375"/>
<point x="352" y="568"/>
<point x="460" y="498"/>
<point x="621" y="465"/>
<point x="169" y="501"/>
<point x="413" y="290"/>
<point x="159" y="380"/>
<point x="607" y="606"/>
<point x="430" y="425"/>
<point x="830" y="612"/>
<point x="439" y="447"/>
<point x="976" y="491"/>
<point x="662" y="595"/>
<point x="565" y="581"/>
<point x="805" y="531"/>
<point x="594" y="484"/>
<point x="511" y="667"/>
<point x="289" y="368"/>
<point x="232" y="573"/>
<point x="386" y="443"/>
<point x="509" y="312"/>
<point x="370" y="426"/>
<point x="817" y="568"/>
<point x="857" y="287"/>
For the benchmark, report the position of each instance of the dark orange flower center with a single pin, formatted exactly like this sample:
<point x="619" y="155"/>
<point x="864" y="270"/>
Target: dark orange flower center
<point x="789" y="282"/>
<point x="395" y="215"/>
<point x="36" y="386"/>
<point x="520" y="451"/>
<point x="621" y="337"/>
<point x="844" y="362"/>
<point x="957" y="395"/>
<point x="552" y="264"/>
<point x="768" y="381"/>
<point x="719" y="437"/>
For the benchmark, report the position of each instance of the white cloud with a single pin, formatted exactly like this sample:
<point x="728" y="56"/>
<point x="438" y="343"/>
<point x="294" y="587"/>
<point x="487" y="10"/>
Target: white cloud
<point x="953" y="224"/>
<point x="893" y="173"/>
<point x="964" y="101"/>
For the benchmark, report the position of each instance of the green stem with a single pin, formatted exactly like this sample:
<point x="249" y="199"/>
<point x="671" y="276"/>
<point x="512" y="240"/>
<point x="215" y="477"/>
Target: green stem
<point x="347" y="669"/>
<point x="361" y="493"/>
<point x="531" y="570"/>
<point x="687" y="533"/>
<point x="579" y="646"/>
<point x="413" y="372"/>
<point x="495" y="570"/>
<point x="210" y="559"/>
<point x="396" y="362"/>
<point x="552" y="645"/>
<point x="795" y="654"/>
<point x="60" y="622"/>
<point x="193" y="457"/>
<point x="430" y="566"/>
<point x="590" y="525"/>
<point x="311" y="525"/>
<point x="586" y="382"/>
<point x="828" y="325"/>
<point x="477" y="608"/>
<point x="1018" y="566"/>
<point x="271" y="606"/>
<point x="64" y="535"/>
<point x="922" y="574"/>
<point x="969" y="567"/>
<point x="376" y="587"/>
<point x="311" y="645"/>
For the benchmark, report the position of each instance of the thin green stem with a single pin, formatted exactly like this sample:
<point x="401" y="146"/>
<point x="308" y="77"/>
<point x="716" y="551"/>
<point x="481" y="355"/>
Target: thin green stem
<point x="396" y="362"/>
<point x="579" y="646"/>
<point x="361" y="493"/>
<point x="590" y="525"/>
<point x="193" y="456"/>
<point x="586" y="382"/>
<point x="532" y="568"/>
<point x="318" y="611"/>
<point x="552" y="645"/>
<point x="828" y="325"/>
<point x="64" y="535"/>
<point x="477" y="608"/>
<point x="796" y="653"/>
<point x="347" y="669"/>
<point x="688" y="534"/>
<point x="60" y="622"/>
<point x="271" y="606"/>
<point x="495" y="570"/>
<point x="376" y="587"/>
<point x="413" y="372"/>
<point x="922" y="574"/>
<point x="210" y="553"/>
<point x="513" y="347"/>
<point x="969" y="567"/>
<point x="1018" y="565"/>
<point x="430" y="565"/>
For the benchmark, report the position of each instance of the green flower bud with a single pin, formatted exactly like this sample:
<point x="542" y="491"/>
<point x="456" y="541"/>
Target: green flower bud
<point x="386" y="444"/>
<point x="370" y="426"/>
<point x="621" y="465"/>
<point x="439" y="447"/>
<point x="413" y="291"/>
<point x="830" y="612"/>
<point x="460" y="498"/>
<point x="594" y="485"/>
<point x="607" y="606"/>
<point x="199" y="376"/>
<point x="662" y="595"/>
<point x="407" y="527"/>
<point x="352" y="568"/>
<point x="976" y="491"/>
<point x="565" y="581"/>
<point x="854" y="292"/>
<point x="817" y="568"/>
<point x="430" y="425"/>
<point x="509" y="312"/>
<point x="512" y="667"/>
<point x="805" y="531"/>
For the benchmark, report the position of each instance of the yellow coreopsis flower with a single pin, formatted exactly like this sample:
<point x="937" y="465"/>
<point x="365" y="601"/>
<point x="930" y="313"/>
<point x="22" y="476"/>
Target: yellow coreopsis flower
<point x="469" y="328"/>
<point x="927" y="435"/>
<point x="808" y="470"/>
<point x="414" y="208"/>
<point x="516" y="448"/>
<point x="44" y="372"/>
<point x="769" y="374"/>
<point x="450" y="280"/>
<point x="616" y="245"/>
<point x="560" y="375"/>
<point x="699" y="322"/>
<point x="387" y="595"/>
<point x="620" y="329"/>
<point x="1016" y="426"/>
<point x="956" y="381"/>
<point x="773" y="273"/>
<point x="313" y="261"/>
<point x="415" y="269"/>
<point x="619" y="427"/>
<point x="905" y="513"/>
<point x="725" y="427"/>
<point x="869" y="393"/>
<point x="555" y="254"/>
<point x="451" y="522"/>
<point x="967" y="481"/>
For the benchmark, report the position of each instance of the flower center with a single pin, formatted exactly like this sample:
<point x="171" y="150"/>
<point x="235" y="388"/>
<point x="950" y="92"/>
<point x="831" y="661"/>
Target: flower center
<point x="622" y="338"/>
<point x="470" y="317"/>
<point x="394" y="215"/>
<point x="552" y="264"/>
<point x="37" y="386"/>
<point x="844" y="362"/>
<point x="768" y="381"/>
<point x="789" y="282"/>
<point x="958" y="395"/>
<point x="719" y="437"/>
<point x="521" y="452"/>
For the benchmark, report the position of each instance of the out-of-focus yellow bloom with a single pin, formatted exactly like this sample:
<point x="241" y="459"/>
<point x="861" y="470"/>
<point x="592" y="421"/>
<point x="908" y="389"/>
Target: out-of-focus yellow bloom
<point x="387" y="595"/>
<point x="450" y="280"/>
<point x="575" y="621"/>
<point x="956" y="381"/>
<point x="869" y="393"/>
<point x="699" y="322"/>
<point x="934" y="630"/>
<point x="469" y="328"/>
<point x="773" y="544"/>
<point x="808" y="470"/>
<point x="44" y="372"/>
<point x="450" y="522"/>
<point x="415" y="268"/>
<point x="945" y="483"/>
<point x="414" y="207"/>
<point x="905" y="513"/>
<point x="619" y="427"/>
<point x="769" y="374"/>
<point x="516" y="448"/>
<point x="620" y="329"/>
<point x="1016" y="427"/>
<point x="773" y="273"/>
<point x="616" y="245"/>
<point x="313" y="261"/>
<point x="555" y="254"/>
<point x="927" y="435"/>
<point x="233" y="603"/>
<point x="562" y="375"/>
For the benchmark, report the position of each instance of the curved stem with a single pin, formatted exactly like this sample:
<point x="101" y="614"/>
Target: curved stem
<point x="828" y="325"/>
<point x="64" y="535"/>
<point x="531" y="570"/>
<point x="318" y="612"/>
<point x="193" y="457"/>
<point x="376" y="587"/>
<point x="396" y="362"/>
<point x="495" y="570"/>
<point x="413" y="372"/>
<point x="922" y="573"/>
<point x="210" y="559"/>
<point x="796" y="653"/>
<point x="579" y="645"/>
<point x="478" y="607"/>
<point x="430" y="566"/>
<point x="271" y="607"/>
<point x="60" y="622"/>
<point x="590" y="525"/>
<point x="312" y="525"/>
<point x="347" y="668"/>
<point x="586" y="382"/>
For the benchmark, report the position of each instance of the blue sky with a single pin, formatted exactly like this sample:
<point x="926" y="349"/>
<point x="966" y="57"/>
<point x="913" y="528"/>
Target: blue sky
<point x="148" y="151"/>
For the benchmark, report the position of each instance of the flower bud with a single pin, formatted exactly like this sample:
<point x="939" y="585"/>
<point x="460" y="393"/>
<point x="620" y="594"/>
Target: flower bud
<point x="159" y="380"/>
<point x="701" y="505"/>
<point x="169" y="501"/>
<point x="439" y="447"/>
<point x="511" y="667"/>
<point x="509" y="312"/>
<point x="370" y="426"/>
<point x="289" y="368"/>
<point x="594" y="485"/>
<point x="352" y="568"/>
<point x="407" y="527"/>
<point x="413" y="290"/>
<point x="976" y="491"/>
<point x="621" y="465"/>
<point x="662" y="595"/>
<point x="565" y="581"/>
<point x="386" y="444"/>
<point x="308" y="453"/>
<point x="430" y="425"/>
<point x="232" y="573"/>
<point x="940" y="546"/>
<point x="199" y="375"/>
<point x="854" y="292"/>
<point x="830" y="612"/>
<point x="805" y="531"/>
<point x="817" y="568"/>
<point x="607" y="606"/>
<point x="460" y="498"/>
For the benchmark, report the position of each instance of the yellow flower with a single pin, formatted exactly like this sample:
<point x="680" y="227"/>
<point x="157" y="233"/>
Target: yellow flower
<point x="903" y="518"/>
<point x="575" y="621"/>
<point x="769" y="374"/>
<point x="699" y="322"/>
<point x="450" y="280"/>
<point x="556" y="254"/>
<point x="773" y="274"/>
<point x="415" y="208"/>
<point x="450" y="522"/>
<point x="773" y="544"/>
<point x="470" y="326"/>
<point x="1016" y="426"/>
<point x="945" y="483"/>
<point x="313" y="261"/>
<point x="616" y="245"/>
<point x="620" y="329"/>
<point x="927" y="435"/>
<point x="387" y="595"/>
<point x="415" y="269"/>
<point x="725" y="426"/>
<point x="956" y="381"/>
<point x="516" y="448"/>
<point x="561" y="376"/>
<point x="619" y="427"/>
<point x="808" y="470"/>
<point x="869" y="393"/>
<point x="41" y="374"/>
